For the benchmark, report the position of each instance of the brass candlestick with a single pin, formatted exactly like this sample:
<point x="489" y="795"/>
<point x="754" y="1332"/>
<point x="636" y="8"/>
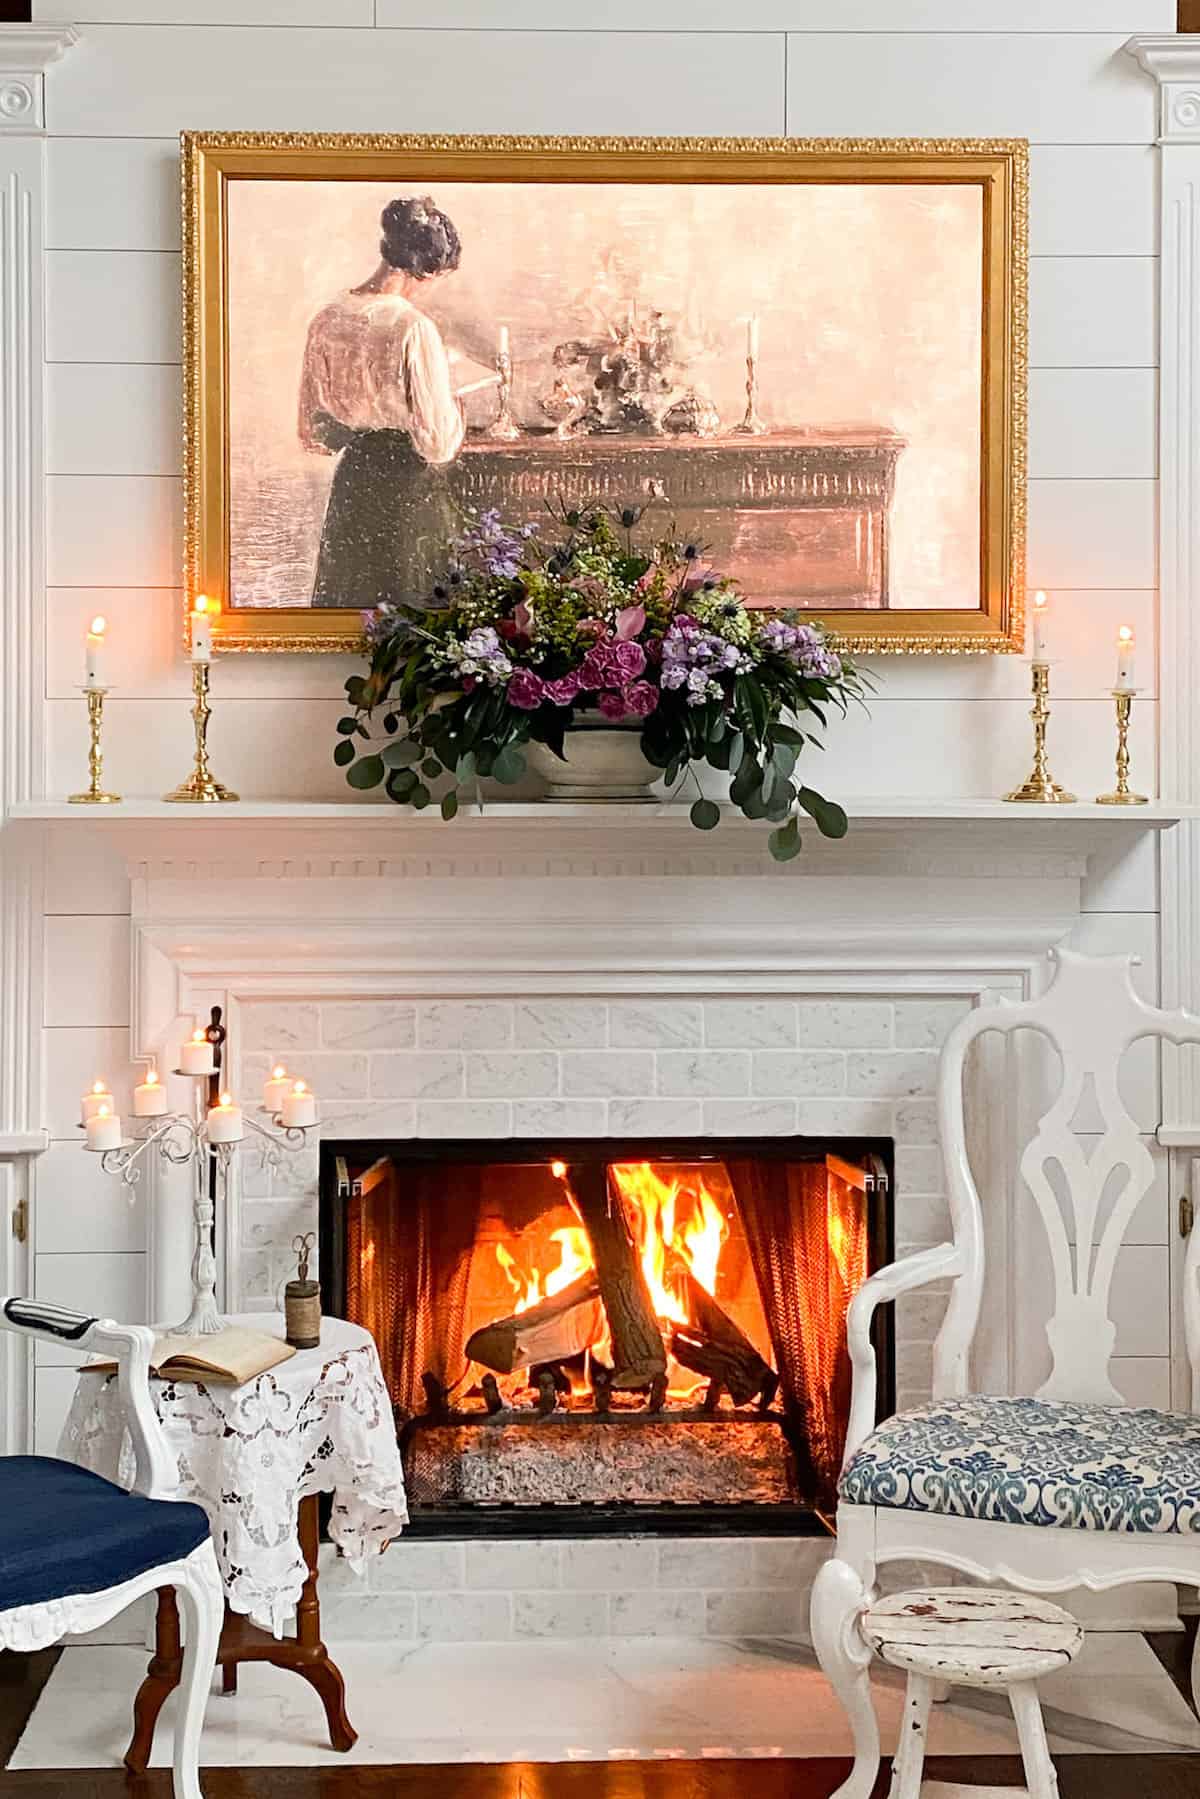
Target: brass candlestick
<point x="1121" y="795"/>
<point x="751" y="425"/>
<point x="200" y="788"/>
<point x="504" y="425"/>
<point x="1041" y="789"/>
<point x="95" y="794"/>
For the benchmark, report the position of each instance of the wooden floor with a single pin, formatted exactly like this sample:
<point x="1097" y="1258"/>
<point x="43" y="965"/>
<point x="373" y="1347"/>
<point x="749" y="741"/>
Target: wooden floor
<point x="1080" y="1777"/>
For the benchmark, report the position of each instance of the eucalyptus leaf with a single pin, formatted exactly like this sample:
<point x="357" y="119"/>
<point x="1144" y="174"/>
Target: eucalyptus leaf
<point x="787" y="734"/>
<point x="829" y="817"/>
<point x="343" y="753"/>
<point x="431" y="768"/>
<point x="509" y="765"/>
<point x="368" y="772"/>
<point x="420" y="796"/>
<point x="402" y="754"/>
<point x="783" y="759"/>
<point x="464" y="768"/>
<point x="737" y="750"/>
<point x="346" y="727"/>
<point x="401" y="783"/>
<point x="784" y="844"/>
<point x="449" y="804"/>
<point x="747" y="781"/>
<point x="705" y="815"/>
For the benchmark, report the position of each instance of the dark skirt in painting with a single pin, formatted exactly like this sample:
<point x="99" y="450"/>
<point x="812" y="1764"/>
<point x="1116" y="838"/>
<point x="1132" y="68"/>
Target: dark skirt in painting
<point x="386" y="522"/>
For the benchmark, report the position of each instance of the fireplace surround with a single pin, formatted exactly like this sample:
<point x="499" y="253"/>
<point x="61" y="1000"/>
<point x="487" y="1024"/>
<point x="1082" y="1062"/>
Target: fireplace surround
<point x="590" y="1336"/>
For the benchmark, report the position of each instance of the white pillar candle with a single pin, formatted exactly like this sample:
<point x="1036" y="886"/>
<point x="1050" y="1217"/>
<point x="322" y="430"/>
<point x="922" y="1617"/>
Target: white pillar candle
<point x="149" y="1097"/>
<point x="225" y="1121"/>
<point x="1125" y="648"/>
<point x="197" y="1057"/>
<point x="276" y="1088"/>
<point x="202" y="639"/>
<point x="752" y="335"/>
<point x="94" y="670"/>
<point x="503" y="344"/>
<point x="299" y="1106"/>
<point x="91" y="1102"/>
<point x="1040" y="609"/>
<point x="104" y="1130"/>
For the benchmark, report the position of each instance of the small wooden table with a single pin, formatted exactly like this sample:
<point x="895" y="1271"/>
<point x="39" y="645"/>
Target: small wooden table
<point x="241" y="1641"/>
<point x="972" y="1637"/>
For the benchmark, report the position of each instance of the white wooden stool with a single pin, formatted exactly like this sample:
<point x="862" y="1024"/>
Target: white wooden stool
<point x="972" y="1637"/>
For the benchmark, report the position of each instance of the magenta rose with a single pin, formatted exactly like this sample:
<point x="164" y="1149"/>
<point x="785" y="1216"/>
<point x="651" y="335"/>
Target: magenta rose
<point x="612" y="705"/>
<point x="593" y="670"/>
<point x="626" y="661"/>
<point x="640" y="699"/>
<point x="562" y="691"/>
<point x="526" y="690"/>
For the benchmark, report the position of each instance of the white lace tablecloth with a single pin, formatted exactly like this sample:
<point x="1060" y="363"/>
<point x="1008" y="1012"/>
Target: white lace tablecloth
<point x="320" y="1422"/>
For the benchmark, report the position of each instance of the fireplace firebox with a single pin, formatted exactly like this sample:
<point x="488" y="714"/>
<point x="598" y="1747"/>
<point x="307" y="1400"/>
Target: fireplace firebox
<point x="590" y="1336"/>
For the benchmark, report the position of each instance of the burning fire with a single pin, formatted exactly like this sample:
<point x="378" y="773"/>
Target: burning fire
<point x="674" y="1215"/>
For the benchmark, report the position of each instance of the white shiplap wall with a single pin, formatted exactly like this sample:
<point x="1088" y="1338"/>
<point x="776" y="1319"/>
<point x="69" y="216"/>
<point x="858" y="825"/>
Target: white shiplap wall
<point x="144" y="69"/>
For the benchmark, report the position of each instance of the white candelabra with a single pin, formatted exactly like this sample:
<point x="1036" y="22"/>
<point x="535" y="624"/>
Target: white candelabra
<point x="206" y="1139"/>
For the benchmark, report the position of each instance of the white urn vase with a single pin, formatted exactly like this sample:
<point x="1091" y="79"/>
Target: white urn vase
<point x="603" y="763"/>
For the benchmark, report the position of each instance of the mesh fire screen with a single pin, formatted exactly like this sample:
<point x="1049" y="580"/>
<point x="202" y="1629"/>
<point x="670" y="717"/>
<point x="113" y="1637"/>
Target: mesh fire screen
<point x="591" y="1328"/>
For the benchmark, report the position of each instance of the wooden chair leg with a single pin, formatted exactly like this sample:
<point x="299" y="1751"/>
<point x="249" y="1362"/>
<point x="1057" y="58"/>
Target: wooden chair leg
<point x="323" y="1675"/>
<point x="909" y="1764"/>
<point x="162" y="1677"/>
<point x="1040" y="1776"/>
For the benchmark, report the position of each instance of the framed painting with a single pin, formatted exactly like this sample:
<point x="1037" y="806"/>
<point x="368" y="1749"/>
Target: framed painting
<point x="809" y="355"/>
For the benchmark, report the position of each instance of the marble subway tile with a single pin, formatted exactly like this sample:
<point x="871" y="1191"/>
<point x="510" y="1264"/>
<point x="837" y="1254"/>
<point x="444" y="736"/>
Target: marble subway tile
<point x="750" y="1117"/>
<point x="758" y="1613"/>
<point x="704" y="1074"/>
<point x="464" y="1118"/>
<point x="658" y="1614"/>
<point x="464" y="1617"/>
<point x="603" y="1564"/>
<point x="560" y="1118"/>
<point x="844" y="1117"/>
<point x="700" y="1562"/>
<point x="815" y="1074"/>
<point x="465" y="1024"/>
<point x="411" y="1566"/>
<point x="369" y="1617"/>
<point x="369" y="1024"/>
<point x="915" y="1121"/>
<point x="926" y="1023"/>
<point x="663" y="1024"/>
<point x="603" y="1074"/>
<point x="750" y="1024"/>
<point x="560" y="1614"/>
<point x="417" y="1074"/>
<point x="498" y="1565"/>
<point x="276" y="1026"/>
<point x="845" y="1023"/>
<point x="655" y="1117"/>
<point x="527" y="1074"/>
<point x="900" y="1074"/>
<point x="561" y="1024"/>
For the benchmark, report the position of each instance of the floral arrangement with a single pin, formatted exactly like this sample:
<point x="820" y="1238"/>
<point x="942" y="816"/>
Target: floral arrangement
<point x="531" y="626"/>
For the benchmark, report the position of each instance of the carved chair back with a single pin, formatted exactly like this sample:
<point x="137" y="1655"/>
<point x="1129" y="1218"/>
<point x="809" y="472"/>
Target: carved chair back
<point x="1085" y="1196"/>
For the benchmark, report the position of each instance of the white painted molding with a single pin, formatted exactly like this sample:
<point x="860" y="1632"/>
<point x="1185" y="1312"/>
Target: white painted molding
<point x="1174" y="63"/>
<point x="23" y="1143"/>
<point x="26" y="52"/>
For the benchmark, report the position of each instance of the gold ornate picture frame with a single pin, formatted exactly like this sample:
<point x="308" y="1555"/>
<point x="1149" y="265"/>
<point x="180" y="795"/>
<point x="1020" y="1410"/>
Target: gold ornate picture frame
<point x="813" y="352"/>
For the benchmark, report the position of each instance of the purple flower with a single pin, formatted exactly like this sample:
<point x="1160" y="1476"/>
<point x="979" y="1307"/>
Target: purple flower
<point x="641" y="699"/>
<point x="612" y="705"/>
<point x="526" y="690"/>
<point x="562" y="691"/>
<point x="626" y="660"/>
<point x="593" y="670"/>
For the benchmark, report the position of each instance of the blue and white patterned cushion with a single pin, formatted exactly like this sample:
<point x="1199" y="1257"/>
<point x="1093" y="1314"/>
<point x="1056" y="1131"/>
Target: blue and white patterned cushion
<point x="1035" y="1461"/>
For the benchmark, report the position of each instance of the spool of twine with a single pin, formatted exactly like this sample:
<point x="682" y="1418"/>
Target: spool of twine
<point x="302" y="1314"/>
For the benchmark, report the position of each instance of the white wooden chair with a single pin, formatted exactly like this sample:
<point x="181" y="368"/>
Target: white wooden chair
<point x="75" y="1550"/>
<point x="1070" y="1488"/>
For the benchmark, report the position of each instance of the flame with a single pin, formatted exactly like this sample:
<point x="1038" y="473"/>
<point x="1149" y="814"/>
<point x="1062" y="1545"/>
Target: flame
<point x="279" y="1072"/>
<point x="674" y="1215"/>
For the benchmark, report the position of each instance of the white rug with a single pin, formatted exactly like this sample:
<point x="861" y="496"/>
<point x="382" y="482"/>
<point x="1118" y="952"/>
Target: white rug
<point x="636" y="1699"/>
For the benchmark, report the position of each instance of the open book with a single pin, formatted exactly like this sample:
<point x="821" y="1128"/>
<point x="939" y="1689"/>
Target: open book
<point x="233" y="1355"/>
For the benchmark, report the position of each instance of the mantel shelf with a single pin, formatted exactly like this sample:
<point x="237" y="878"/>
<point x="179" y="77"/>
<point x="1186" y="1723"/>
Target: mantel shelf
<point x="499" y="815"/>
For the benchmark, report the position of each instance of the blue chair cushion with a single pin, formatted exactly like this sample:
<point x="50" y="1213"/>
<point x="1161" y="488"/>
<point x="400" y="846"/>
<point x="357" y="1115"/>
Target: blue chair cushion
<point x="65" y="1530"/>
<point x="1034" y="1461"/>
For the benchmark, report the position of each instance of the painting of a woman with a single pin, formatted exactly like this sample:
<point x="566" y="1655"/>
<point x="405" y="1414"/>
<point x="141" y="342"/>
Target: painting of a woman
<point x="376" y="391"/>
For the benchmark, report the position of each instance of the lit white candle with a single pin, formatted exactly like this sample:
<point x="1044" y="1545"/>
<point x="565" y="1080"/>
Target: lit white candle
<point x="502" y="346"/>
<point x="299" y="1106"/>
<point x="91" y="1102"/>
<point x="276" y="1088"/>
<point x="1040" y="608"/>
<point x="94" y="670"/>
<point x="149" y="1097"/>
<point x="225" y="1121"/>
<point x="197" y="1057"/>
<point x="1125" y="648"/>
<point x="202" y="638"/>
<point x="104" y="1130"/>
<point x="752" y="335"/>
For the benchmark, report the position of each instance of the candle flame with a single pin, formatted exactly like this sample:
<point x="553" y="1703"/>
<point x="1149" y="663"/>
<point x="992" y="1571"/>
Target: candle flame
<point x="104" y="1112"/>
<point x="1125" y="634"/>
<point x="99" y="1087"/>
<point x="199" y="1037"/>
<point x="152" y="1078"/>
<point x="558" y="1170"/>
<point x="202" y="603"/>
<point x="278" y="1072"/>
<point x="1040" y="601"/>
<point x="299" y="1087"/>
<point x="98" y="626"/>
<point x="227" y="1099"/>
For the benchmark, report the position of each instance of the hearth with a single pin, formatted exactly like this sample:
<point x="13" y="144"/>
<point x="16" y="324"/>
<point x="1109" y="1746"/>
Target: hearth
<point x="594" y="1335"/>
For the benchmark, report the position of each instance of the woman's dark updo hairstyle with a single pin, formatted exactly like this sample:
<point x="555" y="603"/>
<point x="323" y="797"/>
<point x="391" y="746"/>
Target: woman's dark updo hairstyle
<point x="418" y="238"/>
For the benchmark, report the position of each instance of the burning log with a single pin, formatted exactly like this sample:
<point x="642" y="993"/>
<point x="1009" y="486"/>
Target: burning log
<point x="547" y="1399"/>
<point x="554" y="1330"/>
<point x="601" y="1388"/>
<point x="712" y="1344"/>
<point x="492" y="1397"/>
<point x="637" y="1344"/>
